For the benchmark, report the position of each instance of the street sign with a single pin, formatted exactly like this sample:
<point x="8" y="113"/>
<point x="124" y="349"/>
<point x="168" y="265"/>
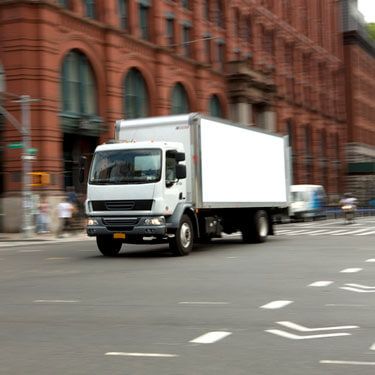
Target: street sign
<point x="28" y="157"/>
<point x="15" y="145"/>
<point x="32" y="151"/>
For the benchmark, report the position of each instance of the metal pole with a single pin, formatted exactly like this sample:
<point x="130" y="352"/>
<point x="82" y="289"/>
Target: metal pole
<point x="26" y="166"/>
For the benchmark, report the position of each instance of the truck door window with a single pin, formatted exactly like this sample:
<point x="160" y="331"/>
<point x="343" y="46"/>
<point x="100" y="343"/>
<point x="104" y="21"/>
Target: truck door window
<point x="170" y="168"/>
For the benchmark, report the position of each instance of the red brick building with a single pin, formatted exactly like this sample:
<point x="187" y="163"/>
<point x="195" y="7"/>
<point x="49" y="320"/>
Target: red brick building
<point x="273" y="64"/>
<point x="359" y="53"/>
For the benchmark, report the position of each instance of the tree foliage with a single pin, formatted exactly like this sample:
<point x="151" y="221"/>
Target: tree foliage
<point x="371" y="30"/>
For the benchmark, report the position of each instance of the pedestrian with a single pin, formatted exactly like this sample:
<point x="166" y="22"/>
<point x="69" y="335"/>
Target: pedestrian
<point x="42" y="220"/>
<point x="65" y="212"/>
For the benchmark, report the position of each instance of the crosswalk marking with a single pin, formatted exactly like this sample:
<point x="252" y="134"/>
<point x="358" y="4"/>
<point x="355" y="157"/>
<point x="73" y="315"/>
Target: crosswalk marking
<point x="326" y="232"/>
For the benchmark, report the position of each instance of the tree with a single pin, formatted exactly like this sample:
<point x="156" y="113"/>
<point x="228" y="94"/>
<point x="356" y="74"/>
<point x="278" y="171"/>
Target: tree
<point x="371" y="30"/>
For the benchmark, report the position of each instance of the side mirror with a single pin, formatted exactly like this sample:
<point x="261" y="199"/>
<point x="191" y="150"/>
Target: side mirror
<point x="180" y="171"/>
<point x="179" y="156"/>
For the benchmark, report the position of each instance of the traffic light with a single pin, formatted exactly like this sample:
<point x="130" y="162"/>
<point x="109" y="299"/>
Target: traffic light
<point x="40" y="179"/>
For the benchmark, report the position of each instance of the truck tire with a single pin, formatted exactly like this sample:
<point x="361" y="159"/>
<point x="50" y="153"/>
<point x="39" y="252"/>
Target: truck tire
<point x="182" y="243"/>
<point x="108" y="246"/>
<point x="257" y="230"/>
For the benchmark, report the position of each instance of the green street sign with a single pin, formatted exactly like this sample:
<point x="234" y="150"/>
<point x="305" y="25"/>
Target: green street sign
<point x="15" y="145"/>
<point x="32" y="151"/>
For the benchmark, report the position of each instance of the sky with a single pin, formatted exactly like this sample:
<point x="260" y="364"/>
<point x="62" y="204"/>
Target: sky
<point x="367" y="8"/>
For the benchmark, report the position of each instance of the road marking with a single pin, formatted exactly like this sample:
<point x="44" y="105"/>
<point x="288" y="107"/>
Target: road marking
<point x="367" y="233"/>
<point x="308" y="337"/>
<point x="357" y="290"/>
<point x="348" y="363"/>
<point x="336" y="231"/>
<point x="321" y="283"/>
<point x="231" y="257"/>
<point x="54" y="301"/>
<point x="344" y="305"/>
<point x="28" y="251"/>
<point x="361" y="286"/>
<point x="160" y="355"/>
<point x="370" y="260"/>
<point x="317" y="232"/>
<point x="351" y="270"/>
<point x="351" y="232"/>
<point x="203" y="303"/>
<point x="298" y="232"/>
<point x="211" y="337"/>
<point x="300" y="328"/>
<point x="276" y="305"/>
<point x="372" y="347"/>
<point x="58" y="258"/>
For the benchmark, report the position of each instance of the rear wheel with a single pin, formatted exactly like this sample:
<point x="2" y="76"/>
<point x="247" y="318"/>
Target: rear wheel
<point x="257" y="230"/>
<point x="182" y="243"/>
<point x="108" y="246"/>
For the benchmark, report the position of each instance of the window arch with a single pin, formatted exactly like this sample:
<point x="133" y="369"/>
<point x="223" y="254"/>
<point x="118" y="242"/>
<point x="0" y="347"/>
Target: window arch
<point x="79" y="92"/>
<point x="180" y="102"/>
<point x="136" y="98"/>
<point x="215" y="107"/>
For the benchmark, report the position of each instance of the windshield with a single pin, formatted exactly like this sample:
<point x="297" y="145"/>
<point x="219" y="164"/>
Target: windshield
<point x="126" y="167"/>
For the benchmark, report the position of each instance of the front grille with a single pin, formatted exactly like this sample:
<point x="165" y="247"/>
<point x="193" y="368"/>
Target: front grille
<point x="120" y="221"/>
<point x="129" y="205"/>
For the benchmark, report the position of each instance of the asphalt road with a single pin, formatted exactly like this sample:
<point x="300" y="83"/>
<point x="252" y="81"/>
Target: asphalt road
<point x="284" y="307"/>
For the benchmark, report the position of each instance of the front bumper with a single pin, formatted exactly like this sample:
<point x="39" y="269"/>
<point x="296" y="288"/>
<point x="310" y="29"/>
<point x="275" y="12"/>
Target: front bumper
<point x="132" y="227"/>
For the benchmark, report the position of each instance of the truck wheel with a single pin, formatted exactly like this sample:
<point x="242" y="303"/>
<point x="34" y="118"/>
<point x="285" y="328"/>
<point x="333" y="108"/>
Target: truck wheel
<point x="257" y="230"/>
<point x="108" y="246"/>
<point x="182" y="243"/>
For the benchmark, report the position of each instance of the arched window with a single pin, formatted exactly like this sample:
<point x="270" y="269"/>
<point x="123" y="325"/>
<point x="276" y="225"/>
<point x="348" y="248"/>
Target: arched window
<point x="136" y="101"/>
<point x="215" y="107"/>
<point x="180" y="102"/>
<point x="79" y="93"/>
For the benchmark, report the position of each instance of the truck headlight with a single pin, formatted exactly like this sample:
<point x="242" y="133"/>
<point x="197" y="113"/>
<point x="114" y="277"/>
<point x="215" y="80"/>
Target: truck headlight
<point x="92" y="222"/>
<point x="155" y="220"/>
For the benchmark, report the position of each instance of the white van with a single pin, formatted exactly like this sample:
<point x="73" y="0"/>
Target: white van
<point x="307" y="202"/>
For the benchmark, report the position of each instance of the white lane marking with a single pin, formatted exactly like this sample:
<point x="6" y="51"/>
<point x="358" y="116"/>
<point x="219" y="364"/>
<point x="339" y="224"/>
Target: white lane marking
<point x="357" y="290"/>
<point x="317" y="232"/>
<point x="280" y="231"/>
<point x="321" y="283"/>
<point x="299" y="232"/>
<point x="276" y="304"/>
<point x="211" y="337"/>
<point x="336" y="231"/>
<point x="351" y="270"/>
<point x="55" y="301"/>
<point x="159" y="355"/>
<point x="296" y="337"/>
<point x="351" y="232"/>
<point x="361" y="286"/>
<point x="231" y="257"/>
<point x="344" y="305"/>
<point x="203" y="303"/>
<point x="370" y="260"/>
<point x="58" y="258"/>
<point x="366" y="233"/>
<point x="372" y="347"/>
<point x="348" y="363"/>
<point x="300" y="328"/>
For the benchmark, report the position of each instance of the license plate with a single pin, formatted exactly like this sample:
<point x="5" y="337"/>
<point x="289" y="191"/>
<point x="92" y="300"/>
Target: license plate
<point x="119" y="236"/>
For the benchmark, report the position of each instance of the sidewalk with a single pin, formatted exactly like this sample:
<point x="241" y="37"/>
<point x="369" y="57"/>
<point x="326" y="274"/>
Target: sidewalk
<point x="18" y="239"/>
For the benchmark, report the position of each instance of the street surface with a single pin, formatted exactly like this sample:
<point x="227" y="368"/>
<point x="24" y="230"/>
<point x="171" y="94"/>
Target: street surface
<point x="300" y="304"/>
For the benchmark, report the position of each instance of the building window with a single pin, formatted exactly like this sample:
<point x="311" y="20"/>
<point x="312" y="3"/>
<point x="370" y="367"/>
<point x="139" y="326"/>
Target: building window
<point x="123" y="9"/>
<point x="206" y="9"/>
<point x="207" y="47"/>
<point x="90" y="8"/>
<point x="180" y="102"/>
<point x="64" y="3"/>
<point x="170" y="35"/>
<point x="186" y="4"/>
<point x="219" y="19"/>
<point x="136" y="100"/>
<point x="79" y="93"/>
<point x="186" y="39"/>
<point x="220" y="55"/>
<point x="2" y="79"/>
<point x="144" y="19"/>
<point x="215" y="107"/>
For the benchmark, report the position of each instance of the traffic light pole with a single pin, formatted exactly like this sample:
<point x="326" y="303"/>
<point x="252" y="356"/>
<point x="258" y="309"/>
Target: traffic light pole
<point x="24" y="129"/>
<point x="26" y="167"/>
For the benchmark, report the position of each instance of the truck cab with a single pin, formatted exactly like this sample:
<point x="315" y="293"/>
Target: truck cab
<point x="133" y="190"/>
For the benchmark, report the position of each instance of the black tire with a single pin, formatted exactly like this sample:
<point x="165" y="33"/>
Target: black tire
<point x="182" y="243"/>
<point x="257" y="229"/>
<point x="108" y="246"/>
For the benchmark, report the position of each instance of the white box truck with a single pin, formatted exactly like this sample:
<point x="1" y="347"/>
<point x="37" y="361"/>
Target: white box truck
<point x="182" y="179"/>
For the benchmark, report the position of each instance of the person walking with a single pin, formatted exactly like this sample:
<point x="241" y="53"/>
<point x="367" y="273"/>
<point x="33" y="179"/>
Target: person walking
<point x="43" y="216"/>
<point x="65" y="212"/>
